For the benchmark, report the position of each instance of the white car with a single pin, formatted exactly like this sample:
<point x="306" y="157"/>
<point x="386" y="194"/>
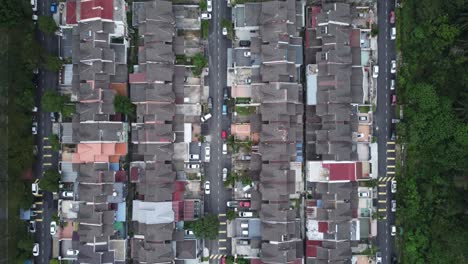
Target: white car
<point x="393" y="186"/>
<point x="67" y="194"/>
<point x="375" y="71"/>
<point x="35" y="188"/>
<point x="393" y="230"/>
<point x="392" y="84"/>
<point x="207" y="153"/>
<point x="225" y="31"/>
<point x="194" y="157"/>
<point x="205" y="117"/>
<point x="192" y="166"/>
<point x="393" y="66"/>
<point x="53" y="228"/>
<point x="209" y="6"/>
<point x="224" y="148"/>
<point x="393" y="33"/>
<point x="246" y="214"/>
<point x="32" y="226"/>
<point x="247" y="54"/>
<point x="207" y="187"/>
<point x="71" y="252"/>
<point x="205" y="16"/>
<point x="35" y="250"/>
<point x="393" y="206"/>
<point x="225" y="171"/>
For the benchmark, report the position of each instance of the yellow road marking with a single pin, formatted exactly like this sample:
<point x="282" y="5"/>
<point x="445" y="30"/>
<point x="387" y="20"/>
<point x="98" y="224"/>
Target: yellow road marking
<point x="382" y="193"/>
<point x="47" y="164"/>
<point x="391" y="166"/>
<point x="222" y="240"/>
<point x="390" y="150"/>
<point x="391" y="143"/>
<point x="222" y="214"/>
<point x="382" y="201"/>
<point x="390" y="158"/>
<point x="382" y="209"/>
<point x="47" y="147"/>
<point x="222" y="248"/>
<point x="222" y="231"/>
<point x="47" y="155"/>
<point x="390" y="172"/>
<point x="222" y="223"/>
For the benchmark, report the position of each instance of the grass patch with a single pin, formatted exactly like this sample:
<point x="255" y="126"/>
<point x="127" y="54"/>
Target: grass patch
<point x="205" y="29"/>
<point x="245" y="110"/>
<point x="183" y="60"/>
<point x="364" y="108"/>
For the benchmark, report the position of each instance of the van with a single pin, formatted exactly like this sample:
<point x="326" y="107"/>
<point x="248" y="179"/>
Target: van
<point x="205" y="117"/>
<point x="244" y="225"/>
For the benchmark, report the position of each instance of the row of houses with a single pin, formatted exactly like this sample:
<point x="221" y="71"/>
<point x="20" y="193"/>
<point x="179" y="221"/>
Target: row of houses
<point x="129" y="179"/>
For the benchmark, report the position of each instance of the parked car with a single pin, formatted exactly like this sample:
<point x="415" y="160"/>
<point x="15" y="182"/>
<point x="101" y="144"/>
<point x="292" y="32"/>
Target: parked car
<point x="225" y="93"/>
<point x="205" y="117"/>
<point x="247" y="195"/>
<point x="393" y="186"/>
<point x="244" y="225"/>
<point x="223" y="260"/>
<point x="67" y="194"/>
<point x="393" y="206"/>
<point x="244" y="204"/>
<point x="246" y="214"/>
<point x="34" y="18"/>
<point x="209" y="6"/>
<point x="244" y="242"/>
<point x="393" y="135"/>
<point x="225" y="31"/>
<point x="194" y="156"/>
<point x="53" y="228"/>
<point x="247" y="54"/>
<point x="364" y="194"/>
<point x="207" y="187"/>
<point x="363" y="118"/>
<point x="392" y="84"/>
<point x="375" y="71"/>
<point x="394" y="99"/>
<point x="52" y="117"/>
<point x="232" y="203"/>
<point x="225" y="172"/>
<point x="248" y="81"/>
<point x="224" y="112"/>
<point x="246" y="157"/>
<point x="224" y="148"/>
<point x="72" y="252"/>
<point x="244" y="43"/>
<point x="393" y="230"/>
<point x="393" y="33"/>
<point x="35" y="250"/>
<point x="210" y="103"/>
<point x="34" y="5"/>
<point x="34" y="109"/>
<point x="392" y="17"/>
<point x="192" y="166"/>
<point x="32" y="226"/>
<point x="245" y="232"/>
<point x="35" y="188"/>
<point x="189" y="232"/>
<point x="207" y="153"/>
<point x="205" y="16"/>
<point x="34" y="130"/>
<point x="393" y="66"/>
<point x="378" y="257"/>
<point x="223" y="134"/>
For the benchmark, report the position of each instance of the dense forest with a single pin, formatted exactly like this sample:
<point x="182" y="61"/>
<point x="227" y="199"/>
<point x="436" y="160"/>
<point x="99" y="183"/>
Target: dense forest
<point x="433" y="85"/>
<point x="20" y="54"/>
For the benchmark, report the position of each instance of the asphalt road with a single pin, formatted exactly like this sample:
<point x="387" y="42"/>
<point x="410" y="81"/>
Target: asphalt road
<point x="46" y="158"/>
<point x="383" y="125"/>
<point x="215" y="203"/>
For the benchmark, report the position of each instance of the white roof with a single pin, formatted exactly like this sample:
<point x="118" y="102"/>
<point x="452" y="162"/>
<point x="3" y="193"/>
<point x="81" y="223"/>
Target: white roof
<point x="152" y="212"/>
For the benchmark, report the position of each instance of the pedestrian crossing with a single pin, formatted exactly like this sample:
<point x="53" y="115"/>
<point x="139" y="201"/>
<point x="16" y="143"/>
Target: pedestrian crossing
<point x="217" y="256"/>
<point x="222" y="234"/>
<point x="386" y="179"/>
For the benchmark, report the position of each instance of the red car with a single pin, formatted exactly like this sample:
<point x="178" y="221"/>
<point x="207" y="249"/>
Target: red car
<point x="223" y="260"/>
<point x="394" y="99"/>
<point x="224" y="134"/>
<point x="245" y="204"/>
<point x="392" y="17"/>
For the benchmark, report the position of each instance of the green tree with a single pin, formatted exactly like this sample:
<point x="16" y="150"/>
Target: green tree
<point x="25" y="243"/>
<point x="52" y="101"/>
<point x="242" y="261"/>
<point x="54" y="142"/>
<point x="54" y="261"/>
<point x="231" y="215"/>
<point x="52" y="63"/>
<point x="12" y="12"/>
<point x="47" y="24"/>
<point x="68" y="110"/>
<point x="206" y="227"/>
<point x="203" y="5"/>
<point x="50" y="181"/>
<point x="122" y="104"/>
<point x="199" y="62"/>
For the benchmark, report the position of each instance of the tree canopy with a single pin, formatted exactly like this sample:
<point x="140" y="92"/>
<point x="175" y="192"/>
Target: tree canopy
<point x="47" y="24"/>
<point x="52" y="101"/>
<point x="122" y="104"/>
<point x="206" y="227"/>
<point x="433" y="39"/>
<point x="52" y="63"/>
<point x="50" y="181"/>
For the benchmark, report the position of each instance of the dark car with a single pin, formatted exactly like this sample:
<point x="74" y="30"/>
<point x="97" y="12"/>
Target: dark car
<point x="244" y="43"/>
<point x="210" y="102"/>
<point x="226" y="93"/>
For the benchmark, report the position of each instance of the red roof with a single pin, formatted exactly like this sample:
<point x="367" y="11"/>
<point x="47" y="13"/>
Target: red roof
<point x="134" y="172"/>
<point x="137" y="78"/>
<point x="120" y="176"/>
<point x="97" y="9"/>
<point x="313" y="16"/>
<point x="189" y="210"/>
<point x="71" y="12"/>
<point x="323" y="227"/>
<point x="177" y="207"/>
<point x="311" y="248"/>
<point x="341" y="171"/>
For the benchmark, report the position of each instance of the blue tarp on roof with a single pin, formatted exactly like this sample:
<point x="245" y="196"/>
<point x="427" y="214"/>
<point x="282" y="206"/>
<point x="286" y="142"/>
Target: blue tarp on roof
<point x="121" y="212"/>
<point x="113" y="166"/>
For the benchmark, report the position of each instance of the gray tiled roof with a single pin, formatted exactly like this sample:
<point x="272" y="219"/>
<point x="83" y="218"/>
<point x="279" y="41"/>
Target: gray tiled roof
<point x="154" y="232"/>
<point x="152" y="253"/>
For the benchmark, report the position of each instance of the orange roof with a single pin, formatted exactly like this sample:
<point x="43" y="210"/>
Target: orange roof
<point x="119" y="88"/>
<point x="241" y="131"/>
<point x="121" y="148"/>
<point x="99" y="152"/>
